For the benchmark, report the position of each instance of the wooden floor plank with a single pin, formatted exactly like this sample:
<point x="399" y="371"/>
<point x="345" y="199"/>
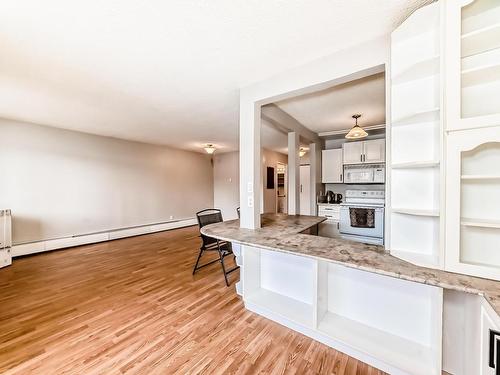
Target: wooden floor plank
<point x="131" y="306"/>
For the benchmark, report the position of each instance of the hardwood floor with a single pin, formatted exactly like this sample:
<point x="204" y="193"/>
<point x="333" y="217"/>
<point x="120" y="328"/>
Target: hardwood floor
<point x="132" y="306"/>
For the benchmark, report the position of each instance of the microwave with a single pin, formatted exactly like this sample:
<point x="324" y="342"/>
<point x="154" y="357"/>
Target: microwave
<point x="364" y="174"/>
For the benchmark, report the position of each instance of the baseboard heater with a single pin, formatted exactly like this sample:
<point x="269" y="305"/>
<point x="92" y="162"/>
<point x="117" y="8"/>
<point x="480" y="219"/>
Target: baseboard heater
<point x="88" y="238"/>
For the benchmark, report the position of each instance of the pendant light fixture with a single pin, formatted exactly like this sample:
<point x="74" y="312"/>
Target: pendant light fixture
<point x="209" y="148"/>
<point x="356" y="132"/>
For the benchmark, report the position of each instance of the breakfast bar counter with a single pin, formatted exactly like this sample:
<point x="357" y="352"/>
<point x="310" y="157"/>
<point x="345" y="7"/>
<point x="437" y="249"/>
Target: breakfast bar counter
<point x="354" y="296"/>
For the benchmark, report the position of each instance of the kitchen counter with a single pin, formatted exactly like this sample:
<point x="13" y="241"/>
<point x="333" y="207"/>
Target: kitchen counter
<point x="281" y="233"/>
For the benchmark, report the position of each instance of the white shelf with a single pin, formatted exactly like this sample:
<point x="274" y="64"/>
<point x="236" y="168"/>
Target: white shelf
<point x="416" y="164"/>
<point x="466" y="222"/>
<point x="289" y="308"/>
<point x="481" y="40"/>
<point x="426" y="115"/>
<point x="415" y="212"/>
<point x="482" y="68"/>
<point x="480" y="177"/>
<point x="417" y="70"/>
<point x="397" y="351"/>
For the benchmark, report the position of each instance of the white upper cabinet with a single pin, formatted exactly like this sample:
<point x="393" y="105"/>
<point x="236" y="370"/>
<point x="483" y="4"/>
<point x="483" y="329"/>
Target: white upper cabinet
<point x="473" y="63"/>
<point x="332" y="170"/>
<point x="353" y="152"/>
<point x="374" y="151"/>
<point x="473" y="202"/>
<point x="364" y="152"/>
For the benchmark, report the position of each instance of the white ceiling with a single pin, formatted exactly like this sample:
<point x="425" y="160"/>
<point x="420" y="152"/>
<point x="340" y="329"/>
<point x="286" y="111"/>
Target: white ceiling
<point x="161" y="71"/>
<point x="332" y="109"/>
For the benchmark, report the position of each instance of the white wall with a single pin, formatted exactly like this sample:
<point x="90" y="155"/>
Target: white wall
<point x="226" y="184"/>
<point x="61" y="183"/>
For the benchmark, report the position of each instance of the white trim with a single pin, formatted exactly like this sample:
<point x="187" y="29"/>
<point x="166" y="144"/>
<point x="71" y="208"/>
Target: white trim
<point x="61" y="243"/>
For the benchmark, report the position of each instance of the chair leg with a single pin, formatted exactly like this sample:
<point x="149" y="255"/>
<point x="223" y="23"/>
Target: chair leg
<point x="222" y="264"/>
<point x="197" y="261"/>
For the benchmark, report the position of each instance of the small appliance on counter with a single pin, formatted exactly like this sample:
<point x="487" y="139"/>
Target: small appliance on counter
<point x="333" y="198"/>
<point x="321" y="198"/>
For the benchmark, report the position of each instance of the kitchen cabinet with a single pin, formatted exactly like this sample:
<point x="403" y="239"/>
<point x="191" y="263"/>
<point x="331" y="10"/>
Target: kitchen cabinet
<point x="353" y="152"/>
<point x="332" y="170"/>
<point x="330" y="227"/>
<point x="372" y="151"/>
<point x="473" y="202"/>
<point x="472" y="74"/>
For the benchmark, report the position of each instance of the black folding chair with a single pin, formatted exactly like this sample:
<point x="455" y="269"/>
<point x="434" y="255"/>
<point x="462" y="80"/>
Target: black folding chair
<point x="211" y="216"/>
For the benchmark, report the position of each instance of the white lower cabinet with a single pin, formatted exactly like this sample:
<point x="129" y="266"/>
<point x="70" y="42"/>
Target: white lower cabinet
<point x="469" y="323"/>
<point x="391" y="324"/>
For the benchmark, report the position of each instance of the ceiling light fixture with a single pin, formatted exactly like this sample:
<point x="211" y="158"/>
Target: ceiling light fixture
<point x="209" y="148"/>
<point x="302" y="151"/>
<point x="356" y="132"/>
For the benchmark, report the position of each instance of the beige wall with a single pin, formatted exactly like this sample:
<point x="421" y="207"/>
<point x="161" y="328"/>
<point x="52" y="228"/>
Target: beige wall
<point x="227" y="183"/>
<point x="60" y="183"/>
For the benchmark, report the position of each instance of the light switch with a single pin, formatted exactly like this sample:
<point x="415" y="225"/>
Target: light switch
<point x="250" y="187"/>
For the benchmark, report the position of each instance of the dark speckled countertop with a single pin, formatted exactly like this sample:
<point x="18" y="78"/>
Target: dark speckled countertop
<point x="282" y="233"/>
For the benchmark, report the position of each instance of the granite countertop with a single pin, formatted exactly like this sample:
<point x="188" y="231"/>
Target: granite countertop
<point x="281" y="233"/>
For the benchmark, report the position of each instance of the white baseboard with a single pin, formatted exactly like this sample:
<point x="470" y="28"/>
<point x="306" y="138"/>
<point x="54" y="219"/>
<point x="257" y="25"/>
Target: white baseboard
<point x="61" y="243"/>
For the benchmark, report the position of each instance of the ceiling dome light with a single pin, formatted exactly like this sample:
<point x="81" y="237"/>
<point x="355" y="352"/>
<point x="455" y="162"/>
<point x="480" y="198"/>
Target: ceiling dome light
<point x="209" y="148"/>
<point x="356" y="132"/>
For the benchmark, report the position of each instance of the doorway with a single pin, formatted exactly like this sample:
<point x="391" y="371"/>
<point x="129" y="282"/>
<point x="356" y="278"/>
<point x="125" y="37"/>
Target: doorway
<point x="281" y="191"/>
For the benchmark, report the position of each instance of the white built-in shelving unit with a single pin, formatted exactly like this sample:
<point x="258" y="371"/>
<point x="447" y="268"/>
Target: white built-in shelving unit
<point x="416" y="138"/>
<point x="351" y="310"/>
<point x="473" y="138"/>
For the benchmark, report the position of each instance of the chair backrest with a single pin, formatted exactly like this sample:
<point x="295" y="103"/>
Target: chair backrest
<point x="238" y="211"/>
<point x="205" y="217"/>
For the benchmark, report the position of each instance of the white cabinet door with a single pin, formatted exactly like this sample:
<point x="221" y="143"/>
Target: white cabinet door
<point x="488" y="323"/>
<point x="305" y="190"/>
<point x="332" y="170"/>
<point x="353" y="152"/>
<point x="374" y="151"/>
<point x="473" y="202"/>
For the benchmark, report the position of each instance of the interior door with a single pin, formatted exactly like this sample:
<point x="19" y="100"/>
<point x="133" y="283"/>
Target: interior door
<point x="374" y="151"/>
<point x="305" y="190"/>
<point x="353" y="152"/>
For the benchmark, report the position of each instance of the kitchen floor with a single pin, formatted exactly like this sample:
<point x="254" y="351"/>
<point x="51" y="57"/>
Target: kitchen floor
<point x="131" y="306"/>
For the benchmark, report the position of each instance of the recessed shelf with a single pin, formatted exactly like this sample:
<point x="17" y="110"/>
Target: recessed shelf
<point x="480" y="177"/>
<point x="416" y="164"/>
<point x="480" y="75"/>
<point x="467" y="222"/>
<point x="481" y="40"/>
<point x="426" y="115"/>
<point x="289" y="308"/>
<point x="417" y="70"/>
<point x="397" y="351"/>
<point x="415" y="212"/>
